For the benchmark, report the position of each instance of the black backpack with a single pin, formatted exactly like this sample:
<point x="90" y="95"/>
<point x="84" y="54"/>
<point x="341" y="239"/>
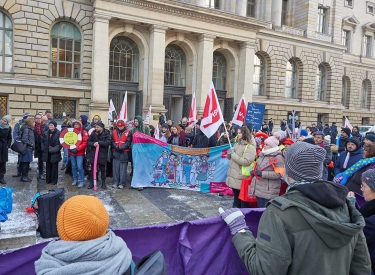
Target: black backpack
<point x="152" y="264"/>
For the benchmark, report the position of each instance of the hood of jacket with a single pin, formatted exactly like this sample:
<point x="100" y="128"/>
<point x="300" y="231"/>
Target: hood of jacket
<point x="140" y="123"/>
<point x="324" y="206"/>
<point x="84" y="119"/>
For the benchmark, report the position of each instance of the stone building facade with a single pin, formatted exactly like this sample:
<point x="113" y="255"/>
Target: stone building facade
<point x="314" y="56"/>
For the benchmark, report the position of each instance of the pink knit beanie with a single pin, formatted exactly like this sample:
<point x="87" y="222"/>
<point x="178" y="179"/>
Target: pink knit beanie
<point x="272" y="142"/>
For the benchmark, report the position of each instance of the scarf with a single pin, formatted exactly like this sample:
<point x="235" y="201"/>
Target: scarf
<point x="346" y="160"/>
<point x="270" y="151"/>
<point x="2" y="126"/>
<point x="105" y="255"/>
<point x="368" y="209"/>
<point x="343" y="177"/>
<point x="38" y="128"/>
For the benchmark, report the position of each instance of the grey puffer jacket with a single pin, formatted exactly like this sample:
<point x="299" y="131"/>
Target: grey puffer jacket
<point x="268" y="186"/>
<point x="239" y="159"/>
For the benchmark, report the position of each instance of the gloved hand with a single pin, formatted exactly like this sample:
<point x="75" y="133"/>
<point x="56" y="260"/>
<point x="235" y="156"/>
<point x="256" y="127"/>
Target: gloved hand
<point x="230" y="151"/>
<point x="74" y="151"/>
<point x="118" y="149"/>
<point x="234" y="219"/>
<point x="258" y="173"/>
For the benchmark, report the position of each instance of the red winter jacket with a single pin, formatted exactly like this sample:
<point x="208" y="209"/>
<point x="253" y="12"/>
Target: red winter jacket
<point x="82" y="146"/>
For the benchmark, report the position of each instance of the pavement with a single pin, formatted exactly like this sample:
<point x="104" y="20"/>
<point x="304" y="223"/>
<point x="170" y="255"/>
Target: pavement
<point x="126" y="207"/>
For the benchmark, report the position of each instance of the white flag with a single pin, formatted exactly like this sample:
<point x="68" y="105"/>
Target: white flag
<point x="193" y="117"/>
<point x="212" y="117"/>
<point x="124" y="112"/>
<point x="110" y="110"/>
<point x="240" y="114"/>
<point x="347" y="124"/>
<point x="148" y="115"/>
<point x="156" y="133"/>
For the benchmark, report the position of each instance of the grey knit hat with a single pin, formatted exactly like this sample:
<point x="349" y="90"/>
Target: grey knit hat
<point x="369" y="178"/>
<point x="304" y="161"/>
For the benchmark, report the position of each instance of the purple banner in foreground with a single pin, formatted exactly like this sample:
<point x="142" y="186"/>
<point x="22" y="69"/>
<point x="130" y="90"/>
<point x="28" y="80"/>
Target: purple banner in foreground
<point x="196" y="247"/>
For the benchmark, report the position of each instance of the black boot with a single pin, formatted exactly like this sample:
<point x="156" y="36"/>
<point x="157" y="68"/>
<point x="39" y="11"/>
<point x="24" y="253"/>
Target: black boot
<point x="25" y="172"/>
<point x="103" y="185"/>
<point x="91" y="185"/>
<point x="2" y="181"/>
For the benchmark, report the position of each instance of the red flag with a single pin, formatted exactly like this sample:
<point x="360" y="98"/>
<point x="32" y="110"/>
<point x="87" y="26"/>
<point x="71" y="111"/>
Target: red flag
<point x="212" y="116"/>
<point x="123" y="112"/>
<point x="239" y="115"/>
<point x="193" y="117"/>
<point x="347" y="124"/>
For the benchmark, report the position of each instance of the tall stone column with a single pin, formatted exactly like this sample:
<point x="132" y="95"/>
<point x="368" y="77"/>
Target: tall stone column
<point x="156" y="68"/>
<point x="276" y="12"/>
<point x="204" y="72"/>
<point x="100" y="67"/>
<point x="246" y="71"/>
<point x="241" y="7"/>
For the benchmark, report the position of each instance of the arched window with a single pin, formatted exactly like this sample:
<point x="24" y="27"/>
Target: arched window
<point x="320" y="83"/>
<point x="65" y="50"/>
<point x="364" y="94"/>
<point x="123" y="60"/>
<point x="6" y="44"/>
<point x="291" y="79"/>
<point x="175" y="66"/>
<point x="219" y="71"/>
<point x="258" y="78"/>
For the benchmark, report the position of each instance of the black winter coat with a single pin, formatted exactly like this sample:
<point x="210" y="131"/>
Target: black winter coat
<point x="51" y="146"/>
<point x="201" y="141"/>
<point x="104" y="140"/>
<point x="368" y="212"/>
<point x="5" y="142"/>
<point x="39" y="139"/>
<point x="118" y="151"/>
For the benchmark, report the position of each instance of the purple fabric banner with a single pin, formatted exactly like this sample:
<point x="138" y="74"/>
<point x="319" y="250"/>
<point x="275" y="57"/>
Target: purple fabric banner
<point x="192" y="248"/>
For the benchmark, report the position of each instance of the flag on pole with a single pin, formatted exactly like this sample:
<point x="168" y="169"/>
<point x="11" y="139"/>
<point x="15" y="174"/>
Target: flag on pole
<point x="193" y="117"/>
<point x="148" y="115"/>
<point x="240" y="114"/>
<point x="124" y="112"/>
<point x="110" y="110"/>
<point x="212" y="116"/>
<point x="347" y="124"/>
<point x="156" y="132"/>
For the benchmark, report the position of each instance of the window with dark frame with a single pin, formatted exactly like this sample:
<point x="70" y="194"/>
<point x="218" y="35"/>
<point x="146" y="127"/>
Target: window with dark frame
<point x="284" y="11"/>
<point x="123" y="60"/>
<point x="346" y="40"/>
<point x="6" y="44"/>
<point x="322" y="20"/>
<point x="65" y="51"/>
<point x="349" y="3"/>
<point x="3" y="106"/>
<point x="61" y="106"/>
<point x="258" y="77"/>
<point x="364" y="94"/>
<point x="250" y="8"/>
<point x="367" y="46"/>
<point x="344" y="91"/>
<point x="219" y="71"/>
<point x="291" y="79"/>
<point x="320" y="83"/>
<point x="370" y="9"/>
<point x="174" y="66"/>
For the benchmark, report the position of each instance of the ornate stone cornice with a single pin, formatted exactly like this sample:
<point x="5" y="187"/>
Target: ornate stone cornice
<point x="197" y="13"/>
<point x="97" y="17"/>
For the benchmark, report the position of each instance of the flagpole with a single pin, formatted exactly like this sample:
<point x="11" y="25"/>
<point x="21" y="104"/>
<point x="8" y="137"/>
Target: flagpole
<point x="225" y="127"/>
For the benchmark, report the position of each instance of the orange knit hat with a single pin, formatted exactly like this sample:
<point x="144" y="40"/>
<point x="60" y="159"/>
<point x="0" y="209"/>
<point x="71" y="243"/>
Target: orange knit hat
<point x="82" y="218"/>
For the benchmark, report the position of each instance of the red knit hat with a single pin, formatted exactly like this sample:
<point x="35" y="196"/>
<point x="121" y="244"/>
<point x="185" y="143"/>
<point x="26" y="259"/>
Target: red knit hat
<point x="289" y="141"/>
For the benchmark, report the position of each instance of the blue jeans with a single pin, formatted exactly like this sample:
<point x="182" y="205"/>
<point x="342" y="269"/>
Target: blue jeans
<point x="66" y="156"/>
<point x="262" y="202"/>
<point x="77" y="166"/>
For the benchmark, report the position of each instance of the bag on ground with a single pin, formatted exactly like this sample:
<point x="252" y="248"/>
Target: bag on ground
<point x="49" y="203"/>
<point x="6" y="199"/>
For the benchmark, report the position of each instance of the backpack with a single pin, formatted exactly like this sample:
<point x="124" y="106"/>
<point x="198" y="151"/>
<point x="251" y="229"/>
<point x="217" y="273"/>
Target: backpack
<point x="152" y="264"/>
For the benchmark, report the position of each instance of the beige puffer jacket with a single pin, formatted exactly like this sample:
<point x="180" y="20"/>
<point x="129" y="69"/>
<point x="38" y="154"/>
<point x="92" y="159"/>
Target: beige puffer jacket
<point x="239" y="159"/>
<point x="268" y="186"/>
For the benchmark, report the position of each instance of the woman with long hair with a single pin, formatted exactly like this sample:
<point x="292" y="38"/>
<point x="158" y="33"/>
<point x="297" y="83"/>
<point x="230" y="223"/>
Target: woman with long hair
<point x="27" y="137"/>
<point x="242" y="154"/>
<point x="177" y="136"/>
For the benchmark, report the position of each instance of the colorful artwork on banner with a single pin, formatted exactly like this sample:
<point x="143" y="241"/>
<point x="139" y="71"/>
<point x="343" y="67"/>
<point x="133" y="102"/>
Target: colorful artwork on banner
<point x="157" y="164"/>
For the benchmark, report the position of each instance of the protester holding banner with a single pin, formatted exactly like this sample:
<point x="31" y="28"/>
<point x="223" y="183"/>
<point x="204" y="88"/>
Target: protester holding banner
<point x="5" y="142"/>
<point x="164" y="134"/>
<point x="77" y="155"/>
<point x="313" y="218"/>
<point x="100" y="137"/>
<point x="177" y="136"/>
<point x="68" y="123"/>
<point x="189" y="136"/>
<point x="51" y="148"/>
<point x="121" y="142"/>
<point x="267" y="173"/>
<point x="242" y="154"/>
